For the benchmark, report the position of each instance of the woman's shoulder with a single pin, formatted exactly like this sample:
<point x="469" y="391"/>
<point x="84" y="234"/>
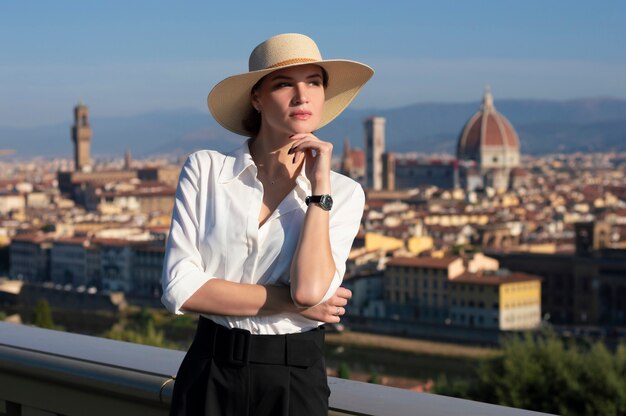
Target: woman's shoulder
<point x="206" y="159"/>
<point x="343" y="185"/>
<point x="205" y="155"/>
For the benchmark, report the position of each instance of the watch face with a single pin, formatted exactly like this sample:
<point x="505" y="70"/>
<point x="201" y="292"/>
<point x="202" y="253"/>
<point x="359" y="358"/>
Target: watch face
<point x="326" y="202"/>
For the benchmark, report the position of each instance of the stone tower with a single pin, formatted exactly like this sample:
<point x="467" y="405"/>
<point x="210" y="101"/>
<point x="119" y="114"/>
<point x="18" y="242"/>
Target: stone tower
<point x="128" y="160"/>
<point x="346" y="159"/>
<point x="374" y="149"/>
<point x="81" y="137"/>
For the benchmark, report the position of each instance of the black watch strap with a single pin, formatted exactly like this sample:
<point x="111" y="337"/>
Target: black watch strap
<point x="313" y="199"/>
<point x="325" y="201"/>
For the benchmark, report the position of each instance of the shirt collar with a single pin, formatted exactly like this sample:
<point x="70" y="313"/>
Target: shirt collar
<point x="240" y="159"/>
<point x="236" y="162"/>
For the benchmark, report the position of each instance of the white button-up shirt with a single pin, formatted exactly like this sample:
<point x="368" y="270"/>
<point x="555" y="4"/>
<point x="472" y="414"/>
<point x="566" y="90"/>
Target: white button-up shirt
<point x="215" y="234"/>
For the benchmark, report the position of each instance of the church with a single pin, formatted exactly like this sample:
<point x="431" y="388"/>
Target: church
<point x="489" y="140"/>
<point x="487" y="155"/>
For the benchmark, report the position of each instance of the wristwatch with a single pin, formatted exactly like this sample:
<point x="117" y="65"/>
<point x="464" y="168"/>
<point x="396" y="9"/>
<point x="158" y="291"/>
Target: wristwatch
<point x="324" y="201"/>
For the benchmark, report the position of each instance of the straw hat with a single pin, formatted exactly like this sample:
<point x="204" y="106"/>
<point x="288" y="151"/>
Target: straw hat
<point x="229" y="100"/>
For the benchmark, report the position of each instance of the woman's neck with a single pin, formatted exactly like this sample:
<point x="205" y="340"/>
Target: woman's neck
<point x="271" y="155"/>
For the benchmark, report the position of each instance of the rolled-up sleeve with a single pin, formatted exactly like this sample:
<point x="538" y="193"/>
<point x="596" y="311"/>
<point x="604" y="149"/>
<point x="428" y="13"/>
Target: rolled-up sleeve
<point x="183" y="267"/>
<point x="343" y="228"/>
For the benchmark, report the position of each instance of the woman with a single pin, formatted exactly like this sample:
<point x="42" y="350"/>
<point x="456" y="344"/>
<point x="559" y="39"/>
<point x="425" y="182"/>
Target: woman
<point x="260" y="236"/>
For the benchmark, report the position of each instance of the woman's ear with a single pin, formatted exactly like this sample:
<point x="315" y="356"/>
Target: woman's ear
<point x="254" y="100"/>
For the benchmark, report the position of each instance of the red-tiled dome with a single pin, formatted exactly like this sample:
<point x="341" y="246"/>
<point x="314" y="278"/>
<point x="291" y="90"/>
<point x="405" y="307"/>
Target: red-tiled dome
<point x="486" y="128"/>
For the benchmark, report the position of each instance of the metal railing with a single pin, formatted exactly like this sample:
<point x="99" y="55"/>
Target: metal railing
<point x="45" y="372"/>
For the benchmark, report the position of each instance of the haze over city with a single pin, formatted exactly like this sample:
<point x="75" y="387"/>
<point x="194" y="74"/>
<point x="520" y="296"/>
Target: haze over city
<point x="132" y="58"/>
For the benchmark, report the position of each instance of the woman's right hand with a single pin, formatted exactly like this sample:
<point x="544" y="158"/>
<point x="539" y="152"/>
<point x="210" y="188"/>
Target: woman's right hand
<point x="330" y="311"/>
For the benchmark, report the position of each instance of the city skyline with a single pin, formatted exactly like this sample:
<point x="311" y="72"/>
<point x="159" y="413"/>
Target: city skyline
<point x="136" y="58"/>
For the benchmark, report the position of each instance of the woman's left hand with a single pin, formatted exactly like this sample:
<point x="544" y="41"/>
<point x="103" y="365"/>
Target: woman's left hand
<point x="330" y="311"/>
<point x="318" y="156"/>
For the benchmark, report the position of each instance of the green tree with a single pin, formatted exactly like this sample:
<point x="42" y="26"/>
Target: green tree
<point x="374" y="378"/>
<point x="144" y="317"/>
<point x="546" y="374"/>
<point x="344" y="370"/>
<point x="146" y="336"/>
<point x="43" y="315"/>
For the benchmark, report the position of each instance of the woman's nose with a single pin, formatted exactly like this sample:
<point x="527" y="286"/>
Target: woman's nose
<point x="300" y="95"/>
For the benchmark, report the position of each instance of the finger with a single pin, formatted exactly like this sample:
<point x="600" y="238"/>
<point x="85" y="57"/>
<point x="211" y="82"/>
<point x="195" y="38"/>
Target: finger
<point x="341" y="302"/>
<point x="343" y="292"/>
<point x="309" y="143"/>
<point x="299" y="136"/>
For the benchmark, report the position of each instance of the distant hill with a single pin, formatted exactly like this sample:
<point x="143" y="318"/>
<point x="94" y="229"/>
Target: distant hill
<point x="594" y="124"/>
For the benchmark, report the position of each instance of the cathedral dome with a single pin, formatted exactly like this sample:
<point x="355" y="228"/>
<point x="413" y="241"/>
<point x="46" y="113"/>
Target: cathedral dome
<point x="487" y="130"/>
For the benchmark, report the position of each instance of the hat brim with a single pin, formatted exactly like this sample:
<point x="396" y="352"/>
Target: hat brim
<point x="229" y="100"/>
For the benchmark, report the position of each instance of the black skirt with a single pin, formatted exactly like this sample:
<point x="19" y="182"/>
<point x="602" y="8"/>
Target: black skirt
<point x="231" y="372"/>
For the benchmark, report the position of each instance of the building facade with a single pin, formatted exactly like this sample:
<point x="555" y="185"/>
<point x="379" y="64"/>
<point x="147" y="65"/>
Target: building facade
<point x="446" y="291"/>
<point x="30" y="258"/>
<point x="68" y="261"/>
<point x="374" y="149"/>
<point x="490" y="140"/>
<point x="81" y="137"/>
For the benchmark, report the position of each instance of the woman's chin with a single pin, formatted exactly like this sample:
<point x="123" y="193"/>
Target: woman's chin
<point x="304" y="128"/>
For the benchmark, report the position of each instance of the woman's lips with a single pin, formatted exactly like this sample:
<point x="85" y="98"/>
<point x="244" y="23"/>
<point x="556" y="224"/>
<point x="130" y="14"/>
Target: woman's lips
<point x="301" y="115"/>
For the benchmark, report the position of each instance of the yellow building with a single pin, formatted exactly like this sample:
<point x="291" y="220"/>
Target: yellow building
<point x="416" y="245"/>
<point x="505" y="302"/>
<point x="421" y="285"/>
<point x="374" y="241"/>
<point x="472" y="293"/>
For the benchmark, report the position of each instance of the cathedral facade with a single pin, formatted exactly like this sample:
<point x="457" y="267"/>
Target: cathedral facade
<point x="489" y="140"/>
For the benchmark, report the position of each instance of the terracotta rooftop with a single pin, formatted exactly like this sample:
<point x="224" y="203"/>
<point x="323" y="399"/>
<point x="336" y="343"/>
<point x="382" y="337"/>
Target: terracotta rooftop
<point x="429" y="262"/>
<point x="492" y="279"/>
<point x="31" y="238"/>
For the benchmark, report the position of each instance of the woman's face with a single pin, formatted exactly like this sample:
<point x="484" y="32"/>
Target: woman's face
<point x="291" y="100"/>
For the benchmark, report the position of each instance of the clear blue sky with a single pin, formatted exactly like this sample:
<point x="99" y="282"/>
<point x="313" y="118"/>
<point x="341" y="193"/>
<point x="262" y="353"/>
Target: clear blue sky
<point x="131" y="57"/>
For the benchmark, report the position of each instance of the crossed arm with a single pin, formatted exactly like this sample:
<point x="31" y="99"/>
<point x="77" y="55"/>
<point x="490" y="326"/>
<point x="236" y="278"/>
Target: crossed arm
<point x="221" y="297"/>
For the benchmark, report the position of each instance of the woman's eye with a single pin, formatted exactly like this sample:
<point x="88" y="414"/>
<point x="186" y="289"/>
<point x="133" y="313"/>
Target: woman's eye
<point x="282" y="85"/>
<point x="316" y="83"/>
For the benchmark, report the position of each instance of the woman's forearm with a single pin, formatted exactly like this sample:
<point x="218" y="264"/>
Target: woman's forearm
<point x="222" y="297"/>
<point x="313" y="266"/>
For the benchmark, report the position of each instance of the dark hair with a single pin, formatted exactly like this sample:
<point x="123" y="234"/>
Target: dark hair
<point x="252" y="121"/>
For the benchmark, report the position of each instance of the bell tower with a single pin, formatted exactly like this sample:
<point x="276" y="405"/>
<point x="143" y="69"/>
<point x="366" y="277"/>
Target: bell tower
<point x="81" y="137"/>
